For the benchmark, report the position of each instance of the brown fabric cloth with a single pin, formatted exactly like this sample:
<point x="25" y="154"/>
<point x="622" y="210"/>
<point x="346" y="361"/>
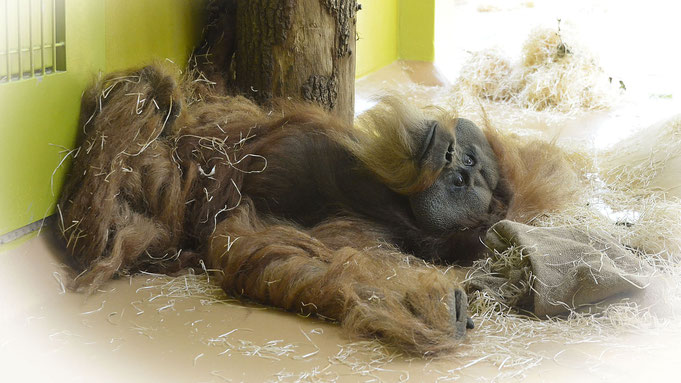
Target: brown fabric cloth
<point x="553" y="270"/>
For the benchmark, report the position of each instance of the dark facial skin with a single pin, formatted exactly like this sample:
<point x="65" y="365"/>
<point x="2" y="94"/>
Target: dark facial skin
<point x="461" y="195"/>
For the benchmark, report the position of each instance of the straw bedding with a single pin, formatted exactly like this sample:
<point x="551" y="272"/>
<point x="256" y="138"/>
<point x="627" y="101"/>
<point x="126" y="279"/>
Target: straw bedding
<point x="619" y="194"/>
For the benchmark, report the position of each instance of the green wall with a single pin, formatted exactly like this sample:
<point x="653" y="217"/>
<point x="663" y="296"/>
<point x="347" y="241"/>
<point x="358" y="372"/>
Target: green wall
<point x="139" y="30"/>
<point x="38" y="116"/>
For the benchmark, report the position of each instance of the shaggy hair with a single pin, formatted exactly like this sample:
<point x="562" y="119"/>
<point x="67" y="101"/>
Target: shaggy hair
<point x="160" y="182"/>
<point x="390" y="153"/>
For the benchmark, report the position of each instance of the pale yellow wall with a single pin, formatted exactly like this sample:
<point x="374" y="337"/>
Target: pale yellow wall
<point x="416" y="36"/>
<point x="377" y="33"/>
<point x="394" y="29"/>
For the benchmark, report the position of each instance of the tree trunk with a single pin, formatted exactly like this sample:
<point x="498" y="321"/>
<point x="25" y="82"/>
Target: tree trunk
<point x="301" y="49"/>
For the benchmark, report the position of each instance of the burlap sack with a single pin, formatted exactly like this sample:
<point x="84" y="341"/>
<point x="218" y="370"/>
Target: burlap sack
<point x="557" y="269"/>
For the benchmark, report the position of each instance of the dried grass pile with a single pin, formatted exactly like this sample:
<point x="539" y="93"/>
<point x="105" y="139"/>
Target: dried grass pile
<point x="555" y="73"/>
<point x="632" y="173"/>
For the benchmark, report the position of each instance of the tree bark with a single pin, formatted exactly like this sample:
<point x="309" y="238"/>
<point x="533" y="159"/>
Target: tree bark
<point x="302" y="49"/>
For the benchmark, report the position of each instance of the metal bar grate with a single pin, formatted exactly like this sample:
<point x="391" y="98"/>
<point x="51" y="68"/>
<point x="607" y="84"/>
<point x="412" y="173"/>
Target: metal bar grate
<point x="32" y="39"/>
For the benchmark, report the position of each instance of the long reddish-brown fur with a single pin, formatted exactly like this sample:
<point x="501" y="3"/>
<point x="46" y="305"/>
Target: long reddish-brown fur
<point x="158" y="183"/>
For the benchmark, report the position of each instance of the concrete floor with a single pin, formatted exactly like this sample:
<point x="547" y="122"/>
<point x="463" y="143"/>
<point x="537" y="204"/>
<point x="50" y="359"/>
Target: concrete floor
<point x="148" y="328"/>
<point x="143" y="329"/>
